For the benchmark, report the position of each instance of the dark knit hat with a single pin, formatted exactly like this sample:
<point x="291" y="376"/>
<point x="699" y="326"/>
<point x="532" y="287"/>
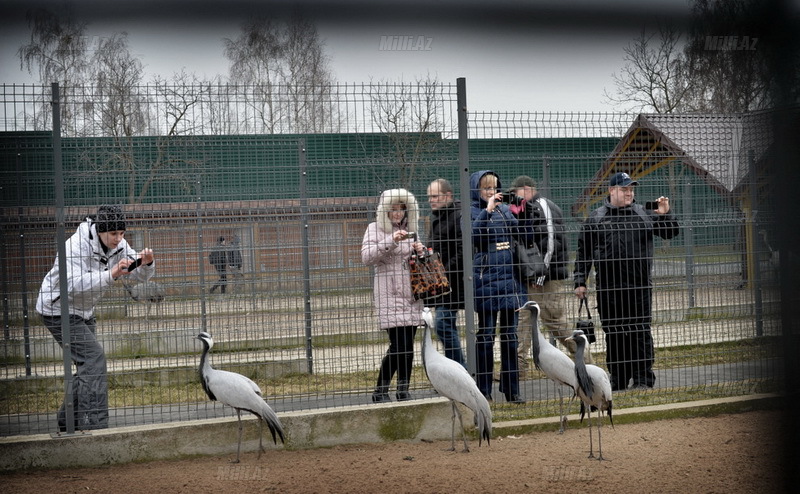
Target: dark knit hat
<point x="109" y="219"/>
<point x="523" y="181"/>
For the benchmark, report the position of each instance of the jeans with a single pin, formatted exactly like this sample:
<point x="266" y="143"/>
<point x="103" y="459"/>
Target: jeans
<point x="484" y="352"/>
<point x="447" y="332"/>
<point x="90" y="383"/>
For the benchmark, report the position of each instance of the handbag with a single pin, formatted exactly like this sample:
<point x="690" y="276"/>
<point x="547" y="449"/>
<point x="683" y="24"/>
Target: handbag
<point x="530" y="261"/>
<point x="587" y="326"/>
<point x="428" y="278"/>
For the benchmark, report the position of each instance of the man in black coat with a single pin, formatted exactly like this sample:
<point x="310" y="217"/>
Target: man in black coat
<point x="617" y="238"/>
<point x="445" y="238"/>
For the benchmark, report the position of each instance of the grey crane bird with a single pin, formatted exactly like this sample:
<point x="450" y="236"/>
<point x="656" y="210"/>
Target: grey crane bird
<point x="239" y="392"/>
<point x="554" y="363"/>
<point x="451" y="380"/>
<point x="594" y="390"/>
<point x="148" y="293"/>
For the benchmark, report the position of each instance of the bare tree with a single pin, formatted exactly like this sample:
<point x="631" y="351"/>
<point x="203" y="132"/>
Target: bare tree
<point x="57" y="51"/>
<point x="255" y="62"/>
<point x="283" y="73"/>
<point x="654" y="77"/>
<point x="307" y="77"/>
<point x="728" y="54"/>
<point x="727" y="64"/>
<point x="411" y="116"/>
<point x="120" y="109"/>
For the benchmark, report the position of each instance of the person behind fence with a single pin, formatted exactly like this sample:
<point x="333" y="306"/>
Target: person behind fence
<point x="617" y="239"/>
<point x="235" y="261"/>
<point x="387" y="246"/>
<point x="445" y="238"/>
<point x="498" y="292"/>
<point x="543" y="223"/>
<point x="97" y="254"/>
<point x="218" y="258"/>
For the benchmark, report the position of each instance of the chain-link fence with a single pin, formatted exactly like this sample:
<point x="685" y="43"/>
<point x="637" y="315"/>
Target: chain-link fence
<point x="285" y="184"/>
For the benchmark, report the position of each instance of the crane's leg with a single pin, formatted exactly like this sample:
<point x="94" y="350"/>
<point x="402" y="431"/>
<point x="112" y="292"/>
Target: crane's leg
<point x="563" y="419"/>
<point x="463" y="432"/>
<point x="599" y="440"/>
<point x="239" y="446"/>
<point x="260" y="437"/>
<point x="453" y="427"/>
<point x="591" y="448"/>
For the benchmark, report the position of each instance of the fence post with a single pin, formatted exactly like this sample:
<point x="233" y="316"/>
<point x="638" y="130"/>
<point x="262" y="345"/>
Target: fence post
<point x="301" y="152"/>
<point x="61" y="246"/>
<point x="466" y="214"/>
<point x="756" y="255"/>
<point x="26" y="327"/>
<point x="201" y="260"/>
<point x="689" y="214"/>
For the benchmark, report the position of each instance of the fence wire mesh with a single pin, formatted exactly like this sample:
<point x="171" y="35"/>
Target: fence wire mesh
<point x="289" y="182"/>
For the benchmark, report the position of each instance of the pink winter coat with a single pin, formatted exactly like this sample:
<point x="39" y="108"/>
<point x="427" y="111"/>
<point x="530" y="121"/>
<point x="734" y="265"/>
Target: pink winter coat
<point x="394" y="303"/>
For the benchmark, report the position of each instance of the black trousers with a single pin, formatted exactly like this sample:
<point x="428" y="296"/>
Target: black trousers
<point x="222" y="283"/>
<point x="399" y="357"/>
<point x="626" y="318"/>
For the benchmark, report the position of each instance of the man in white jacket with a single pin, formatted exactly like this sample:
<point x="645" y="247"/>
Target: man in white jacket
<point x="97" y="255"/>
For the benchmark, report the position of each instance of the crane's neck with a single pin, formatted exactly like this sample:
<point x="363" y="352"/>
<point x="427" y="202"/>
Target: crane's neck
<point x="537" y="338"/>
<point x="427" y="346"/>
<point x="584" y="381"/>
<point x="580" y="349"/>
<point x="204" y="370"/>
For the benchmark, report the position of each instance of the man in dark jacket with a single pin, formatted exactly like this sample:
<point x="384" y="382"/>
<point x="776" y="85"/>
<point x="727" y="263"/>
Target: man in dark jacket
<point x="219" y="259"/>
<point x="543" y="223"/>
<point x="445" y="238"/>
<point x="617" y="238"/>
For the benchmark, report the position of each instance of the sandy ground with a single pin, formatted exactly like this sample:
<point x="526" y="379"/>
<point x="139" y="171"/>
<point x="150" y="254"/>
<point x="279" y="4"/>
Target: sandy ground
<point x="722" y="454"/>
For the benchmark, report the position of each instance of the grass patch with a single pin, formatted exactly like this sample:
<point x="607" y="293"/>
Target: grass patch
<point x="21" y="396"/>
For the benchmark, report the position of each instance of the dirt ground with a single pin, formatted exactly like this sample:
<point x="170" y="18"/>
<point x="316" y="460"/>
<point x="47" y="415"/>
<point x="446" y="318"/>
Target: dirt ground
<point x="721" y="454"/>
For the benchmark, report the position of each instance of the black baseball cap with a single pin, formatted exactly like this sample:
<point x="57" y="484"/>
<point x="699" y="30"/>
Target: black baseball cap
<point x="621" y="179"/>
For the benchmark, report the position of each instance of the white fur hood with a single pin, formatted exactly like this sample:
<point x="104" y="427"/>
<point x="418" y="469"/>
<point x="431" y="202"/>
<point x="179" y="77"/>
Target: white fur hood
<point x="397" y="196"/>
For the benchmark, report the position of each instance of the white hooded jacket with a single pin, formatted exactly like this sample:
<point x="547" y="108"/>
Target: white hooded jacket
<point x="88" y="273"/>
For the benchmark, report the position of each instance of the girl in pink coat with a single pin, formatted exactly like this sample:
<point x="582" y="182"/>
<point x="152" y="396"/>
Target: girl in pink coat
<point x="388" y="243"/>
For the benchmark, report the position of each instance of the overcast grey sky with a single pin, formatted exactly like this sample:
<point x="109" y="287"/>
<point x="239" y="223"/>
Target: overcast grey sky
<point x="547" y="55"/>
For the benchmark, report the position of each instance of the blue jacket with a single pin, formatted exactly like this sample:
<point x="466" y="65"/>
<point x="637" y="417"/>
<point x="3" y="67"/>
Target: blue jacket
<point x="496" y="285"/>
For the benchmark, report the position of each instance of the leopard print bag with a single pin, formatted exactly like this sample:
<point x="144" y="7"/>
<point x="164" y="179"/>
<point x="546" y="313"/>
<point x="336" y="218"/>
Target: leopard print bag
<point x="428" y="278"/>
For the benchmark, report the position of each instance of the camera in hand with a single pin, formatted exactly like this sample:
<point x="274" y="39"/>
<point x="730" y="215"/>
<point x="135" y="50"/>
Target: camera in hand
<point x="513" y="198"/>
<point x="135" y="264"/>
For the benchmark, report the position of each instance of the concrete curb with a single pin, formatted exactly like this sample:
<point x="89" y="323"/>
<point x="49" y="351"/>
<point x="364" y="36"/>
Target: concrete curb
<point x="409" y="421"/>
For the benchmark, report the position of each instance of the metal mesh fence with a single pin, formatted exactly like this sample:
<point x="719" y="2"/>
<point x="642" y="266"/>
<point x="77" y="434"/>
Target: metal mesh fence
<point x="290" y="181"/>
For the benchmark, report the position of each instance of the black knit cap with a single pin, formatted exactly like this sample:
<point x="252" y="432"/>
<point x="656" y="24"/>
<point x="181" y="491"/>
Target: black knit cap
<point x="110" y="219"/>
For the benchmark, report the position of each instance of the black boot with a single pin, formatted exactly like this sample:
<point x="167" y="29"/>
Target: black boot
<point x="402" y="391"/>
<point x="381" y="394"/>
